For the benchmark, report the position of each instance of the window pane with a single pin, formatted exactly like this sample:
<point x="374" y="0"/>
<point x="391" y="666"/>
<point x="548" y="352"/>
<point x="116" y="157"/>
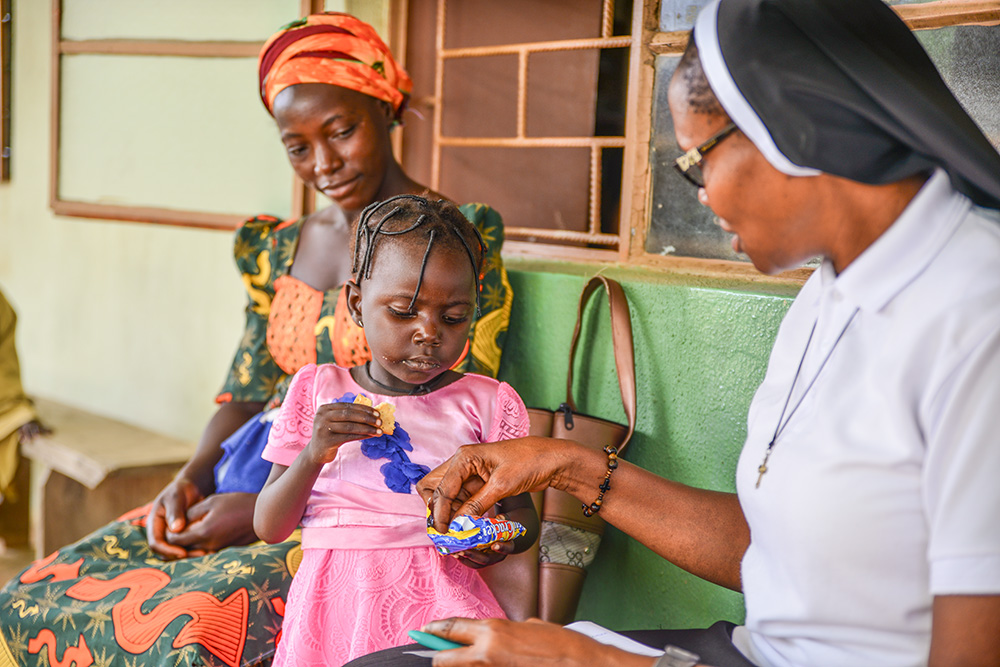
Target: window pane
<point x="968" y="58"/>
<point x="562" y="93"/>
<point x="488" y="22"/>
<point x="480" y="97"/>
<point x="679" y="14"/>
<point x="177" y="19"/>
<point x="569" y="96"/>
<point x="530" y="187"/>
<point x="179" y="133"/>
<point x="679" y="225"/>
<point x="373" y="12"/>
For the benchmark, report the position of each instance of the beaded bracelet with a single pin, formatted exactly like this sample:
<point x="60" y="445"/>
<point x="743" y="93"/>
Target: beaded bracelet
<point x="595" y="507"/>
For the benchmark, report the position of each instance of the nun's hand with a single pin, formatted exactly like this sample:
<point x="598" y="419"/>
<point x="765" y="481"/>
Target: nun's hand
<point x="501" y="643"/>
<point x="479" y="476"/>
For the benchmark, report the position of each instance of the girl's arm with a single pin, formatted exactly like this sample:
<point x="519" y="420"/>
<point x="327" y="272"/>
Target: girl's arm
<point x="282" y="501"/>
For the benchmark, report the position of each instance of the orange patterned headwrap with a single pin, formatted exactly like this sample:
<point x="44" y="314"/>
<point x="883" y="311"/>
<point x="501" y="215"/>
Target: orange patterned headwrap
<point x="332" y="48"/>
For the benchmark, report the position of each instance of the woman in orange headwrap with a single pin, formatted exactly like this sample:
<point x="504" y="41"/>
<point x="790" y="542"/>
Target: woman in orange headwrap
<point x="335" y="92"/>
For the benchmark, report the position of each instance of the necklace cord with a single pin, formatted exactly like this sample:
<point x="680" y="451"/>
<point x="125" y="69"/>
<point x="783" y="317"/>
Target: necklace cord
<point x="782" y="421"/>
<point x="418" y="390"/>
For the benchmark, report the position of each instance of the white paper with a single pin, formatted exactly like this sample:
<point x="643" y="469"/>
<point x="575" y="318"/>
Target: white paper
<point x="611" y="638"/>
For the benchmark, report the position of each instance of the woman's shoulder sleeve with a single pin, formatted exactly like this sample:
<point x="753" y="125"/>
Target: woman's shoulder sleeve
<point x="510" y="417"/>
<point x="253" y="237"/>
<point x="496" y="298"/>
<point x="292" y="428"/>
<point x="489" y="223"/>
<point x="253" y="374"/>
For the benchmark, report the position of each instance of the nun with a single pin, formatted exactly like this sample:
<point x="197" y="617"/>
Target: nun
<point x="864" y="529"/>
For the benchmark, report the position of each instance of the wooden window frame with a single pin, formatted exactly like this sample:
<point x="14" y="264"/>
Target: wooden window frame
<point x="5" y="32"/>
<point x="646" y="43"/>
<point x="303" y="198"/>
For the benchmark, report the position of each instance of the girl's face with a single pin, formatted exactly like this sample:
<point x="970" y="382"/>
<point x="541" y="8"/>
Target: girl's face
<point x="412" y="347"/>
<point x="337" y="140"/>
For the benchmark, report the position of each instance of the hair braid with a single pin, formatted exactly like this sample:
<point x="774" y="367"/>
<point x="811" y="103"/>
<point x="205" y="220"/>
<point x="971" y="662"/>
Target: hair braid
<point x="412" y="214"/>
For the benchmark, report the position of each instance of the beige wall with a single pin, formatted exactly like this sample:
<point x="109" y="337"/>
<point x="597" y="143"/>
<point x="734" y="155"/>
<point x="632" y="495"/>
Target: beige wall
<point x="133" y="321"/>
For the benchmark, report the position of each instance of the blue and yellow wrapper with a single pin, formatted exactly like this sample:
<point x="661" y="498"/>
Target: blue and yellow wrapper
<point x="470" y="532"/>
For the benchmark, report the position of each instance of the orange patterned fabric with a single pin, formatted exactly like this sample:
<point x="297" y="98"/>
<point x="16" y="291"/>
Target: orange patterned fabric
<point x="332" y="48"/>
<point x="350" y="348"/>
<point x="295" y="305"/>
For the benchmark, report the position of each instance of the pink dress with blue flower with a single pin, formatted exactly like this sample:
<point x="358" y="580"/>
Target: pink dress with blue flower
<point x="369" y="573"/>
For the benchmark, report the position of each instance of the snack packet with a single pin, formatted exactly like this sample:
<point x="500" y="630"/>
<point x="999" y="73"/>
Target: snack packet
<point x="474" y="532"/>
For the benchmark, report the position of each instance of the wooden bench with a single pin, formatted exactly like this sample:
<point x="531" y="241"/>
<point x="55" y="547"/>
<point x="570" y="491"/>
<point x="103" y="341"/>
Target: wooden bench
<point x="93" y="469"/>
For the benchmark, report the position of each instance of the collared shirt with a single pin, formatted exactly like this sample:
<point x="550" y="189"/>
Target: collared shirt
<point x="881" y="490"/>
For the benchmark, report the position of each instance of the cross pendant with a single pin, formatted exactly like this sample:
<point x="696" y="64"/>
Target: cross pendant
<point x="763" y="464"/>
<point x="762" y="469"/>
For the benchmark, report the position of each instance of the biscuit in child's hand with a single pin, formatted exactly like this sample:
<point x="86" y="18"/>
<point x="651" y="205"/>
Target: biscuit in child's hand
<point x="387" y="411"/>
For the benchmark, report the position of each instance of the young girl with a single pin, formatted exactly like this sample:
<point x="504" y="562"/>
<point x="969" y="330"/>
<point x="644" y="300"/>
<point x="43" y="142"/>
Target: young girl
<point x="345" y="470"/>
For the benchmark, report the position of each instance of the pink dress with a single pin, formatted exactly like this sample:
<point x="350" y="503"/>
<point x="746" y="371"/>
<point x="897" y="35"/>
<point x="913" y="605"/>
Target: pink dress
<point x="369" y="573"/>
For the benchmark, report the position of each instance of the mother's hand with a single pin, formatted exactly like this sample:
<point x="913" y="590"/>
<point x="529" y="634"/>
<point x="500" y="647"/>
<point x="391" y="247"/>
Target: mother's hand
<point x="478" y="476"/>
<point x="501" y="643"/>
<point x="168" y="513"/>
<point x="182" y="523"/>
<point x="216" y="522"/>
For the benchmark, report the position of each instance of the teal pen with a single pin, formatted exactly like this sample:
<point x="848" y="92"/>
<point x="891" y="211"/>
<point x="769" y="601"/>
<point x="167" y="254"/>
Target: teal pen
<point x="432" y="641"/>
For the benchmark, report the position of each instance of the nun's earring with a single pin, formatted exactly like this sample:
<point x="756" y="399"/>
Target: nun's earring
<point x="360" y="323"/>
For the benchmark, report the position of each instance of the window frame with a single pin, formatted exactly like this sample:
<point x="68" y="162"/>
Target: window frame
<point x="647" y="42"/>
<point x="303" y="198"/>
<point x="6" y="19"/>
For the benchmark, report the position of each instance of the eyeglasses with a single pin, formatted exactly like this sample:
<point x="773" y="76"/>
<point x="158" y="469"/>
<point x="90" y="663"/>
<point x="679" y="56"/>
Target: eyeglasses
<point x="689" y="164"/>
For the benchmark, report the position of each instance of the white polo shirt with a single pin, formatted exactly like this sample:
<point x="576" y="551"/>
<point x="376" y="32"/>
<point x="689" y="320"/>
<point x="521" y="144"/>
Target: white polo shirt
<point x="883" y="490"/>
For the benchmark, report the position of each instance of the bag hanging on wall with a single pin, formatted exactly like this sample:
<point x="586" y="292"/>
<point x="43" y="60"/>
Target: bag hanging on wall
<point x="569" y="540"/>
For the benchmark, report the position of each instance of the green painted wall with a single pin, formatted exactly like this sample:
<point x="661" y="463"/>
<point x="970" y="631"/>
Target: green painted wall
<point x="701" y="348"/>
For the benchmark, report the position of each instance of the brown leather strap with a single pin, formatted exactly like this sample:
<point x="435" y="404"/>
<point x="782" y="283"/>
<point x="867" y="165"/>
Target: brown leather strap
<point x="621" y="337"/>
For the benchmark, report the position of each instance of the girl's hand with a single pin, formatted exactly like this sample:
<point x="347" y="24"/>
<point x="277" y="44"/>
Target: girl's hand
<point x="337" y="423"/>
<point x="477" y="558"/>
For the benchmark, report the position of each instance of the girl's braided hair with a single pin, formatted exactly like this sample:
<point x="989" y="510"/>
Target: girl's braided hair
<point x="412" y="218"/>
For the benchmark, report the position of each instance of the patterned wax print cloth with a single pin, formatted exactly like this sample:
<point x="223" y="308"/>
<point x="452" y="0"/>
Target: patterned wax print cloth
<point x="369" y="571"/>
<point x="109" y="601"/>
<point x="289" y="324"/>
